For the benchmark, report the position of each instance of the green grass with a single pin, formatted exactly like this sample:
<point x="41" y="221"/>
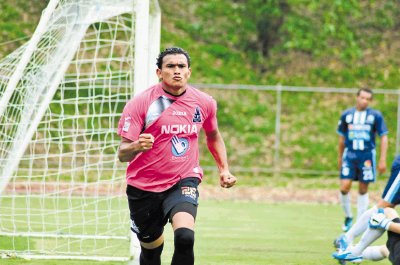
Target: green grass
<point x="251" y="233"/>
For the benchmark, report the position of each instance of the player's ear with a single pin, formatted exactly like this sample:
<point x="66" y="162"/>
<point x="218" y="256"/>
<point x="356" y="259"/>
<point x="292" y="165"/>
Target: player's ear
<point x="159" y="74"/>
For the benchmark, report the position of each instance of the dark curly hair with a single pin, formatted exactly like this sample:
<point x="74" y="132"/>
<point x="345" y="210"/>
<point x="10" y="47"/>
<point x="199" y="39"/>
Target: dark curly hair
<point x="365" y="89"/>
<point x="172" y="50"/>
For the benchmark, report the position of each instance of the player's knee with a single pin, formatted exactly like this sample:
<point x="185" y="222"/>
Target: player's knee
<point x="184" y="238"/>
<point x="391" y="213"/>
<point x="344" y="191"/>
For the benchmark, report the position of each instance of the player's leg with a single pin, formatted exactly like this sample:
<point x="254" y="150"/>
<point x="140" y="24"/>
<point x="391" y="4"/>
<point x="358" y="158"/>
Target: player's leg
<point x="366" y="173"/>
<point x="147" y="222"/>
<point x="151" y="252"/>
<point x="363" y="198"/>
<point x="390" y="198"/>
<point x="371" y="235"/>
<point x="345" y="201"/>
<point x="181" y="208"/>
<point x="347" y="174"/>
<point x="183" y="226"/>
<point x="360" y="225"/>
<point x="375" y="253"/>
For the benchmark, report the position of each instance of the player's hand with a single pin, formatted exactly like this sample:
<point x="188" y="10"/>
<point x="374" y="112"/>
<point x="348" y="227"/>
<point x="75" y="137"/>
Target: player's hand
<point x="145" y="142"/>
<point x="379" y="221"/>
<point x="226" y="179"/>
<point x="382" y="166"/>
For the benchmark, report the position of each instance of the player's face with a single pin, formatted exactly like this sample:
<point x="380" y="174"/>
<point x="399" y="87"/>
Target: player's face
<point x="174" y="73"/>
<point x="363" y="100"/>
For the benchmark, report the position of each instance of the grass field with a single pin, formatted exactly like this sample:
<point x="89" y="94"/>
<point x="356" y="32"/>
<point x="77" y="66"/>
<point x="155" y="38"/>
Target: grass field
<point x="251" y="233"/>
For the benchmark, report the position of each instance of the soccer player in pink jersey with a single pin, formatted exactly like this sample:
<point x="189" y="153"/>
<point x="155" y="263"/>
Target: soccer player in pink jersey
<point x="160" y="129"/>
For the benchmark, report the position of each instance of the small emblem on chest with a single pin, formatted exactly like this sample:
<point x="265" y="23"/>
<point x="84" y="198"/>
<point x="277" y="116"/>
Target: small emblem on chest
<point x="197" y="115"/>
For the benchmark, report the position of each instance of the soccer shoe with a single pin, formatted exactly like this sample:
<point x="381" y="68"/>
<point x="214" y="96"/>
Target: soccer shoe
<point x="348" y="221"/>
<point x="342" y="262"/>
<point x="347" y="256"/>
<point x="341" y="243"/>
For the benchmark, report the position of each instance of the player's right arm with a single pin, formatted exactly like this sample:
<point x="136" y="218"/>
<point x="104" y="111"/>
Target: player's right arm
<point x="341" y="130"/>
<point x="129" y="149"/>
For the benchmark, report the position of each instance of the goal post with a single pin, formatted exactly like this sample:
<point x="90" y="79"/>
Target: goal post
<point x="62" y="189"/>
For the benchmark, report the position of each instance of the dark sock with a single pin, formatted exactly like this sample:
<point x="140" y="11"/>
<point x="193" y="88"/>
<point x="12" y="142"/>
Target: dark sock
<point x="184" y="242"/>
<point x="151" y="256"/>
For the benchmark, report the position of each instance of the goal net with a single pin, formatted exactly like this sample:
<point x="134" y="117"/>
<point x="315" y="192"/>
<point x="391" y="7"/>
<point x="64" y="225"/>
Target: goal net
<point x="62" y="189"/>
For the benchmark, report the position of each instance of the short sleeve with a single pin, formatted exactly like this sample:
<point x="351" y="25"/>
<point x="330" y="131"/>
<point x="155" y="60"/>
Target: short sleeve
<point x="341" y="127"/>
<point x="381" y="127"/>
<point x="131" y="122"/>
<point x="210" y="123"/>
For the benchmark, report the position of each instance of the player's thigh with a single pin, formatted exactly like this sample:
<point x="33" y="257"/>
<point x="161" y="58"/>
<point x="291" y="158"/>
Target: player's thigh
<point x="348" y="169"/>
<point x="182" y="198"/>
<point x="182" y="219"/>
<point x="147" y="219"/>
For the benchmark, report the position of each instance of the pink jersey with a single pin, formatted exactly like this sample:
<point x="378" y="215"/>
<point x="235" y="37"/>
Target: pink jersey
<point x="175" y="123"/>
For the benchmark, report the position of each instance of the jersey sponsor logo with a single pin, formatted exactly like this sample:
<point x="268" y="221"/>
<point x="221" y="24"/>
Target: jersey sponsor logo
<point x="178" y="128"/>
<point x="359" y="135"/>
<point x="349" y="118"/>
<point x="197" y="115"/>
<point x="179" y="113"/>
<point x="359" y="127"/>
<point x="179" y="146"/>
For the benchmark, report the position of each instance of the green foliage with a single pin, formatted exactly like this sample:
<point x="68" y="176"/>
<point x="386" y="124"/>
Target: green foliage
<point x="17" y="22"/>
<point x="312" y="42"/>
<point x="340" y="43"/>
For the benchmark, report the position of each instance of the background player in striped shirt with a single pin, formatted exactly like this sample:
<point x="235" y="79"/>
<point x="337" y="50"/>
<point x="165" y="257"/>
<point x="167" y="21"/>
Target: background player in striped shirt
<point x="357" y="129"/>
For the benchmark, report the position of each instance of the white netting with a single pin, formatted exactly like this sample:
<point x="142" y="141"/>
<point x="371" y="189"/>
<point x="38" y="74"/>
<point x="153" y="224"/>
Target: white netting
<point x="61" y="187"/>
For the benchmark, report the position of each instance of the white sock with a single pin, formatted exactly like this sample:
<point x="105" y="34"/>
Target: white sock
<point x="369" y="236"/>
<point x="362" y="204"/>
<point x="360" y="225"/>
<point x="345" y="200"/>
<point x="375" y="253"/>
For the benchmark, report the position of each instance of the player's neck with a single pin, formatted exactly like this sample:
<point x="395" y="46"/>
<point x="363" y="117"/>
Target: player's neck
<point x="175" y="93"/>
<point x="360" y="109"/>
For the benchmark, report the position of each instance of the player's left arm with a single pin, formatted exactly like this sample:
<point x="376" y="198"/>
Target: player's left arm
<point x="383" y="152"/>
<point x="382" y="131"/>
<point x="216" y="145"/>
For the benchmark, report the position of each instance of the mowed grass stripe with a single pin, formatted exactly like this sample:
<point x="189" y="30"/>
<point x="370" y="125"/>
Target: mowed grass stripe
<point x="251" y="233"/>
